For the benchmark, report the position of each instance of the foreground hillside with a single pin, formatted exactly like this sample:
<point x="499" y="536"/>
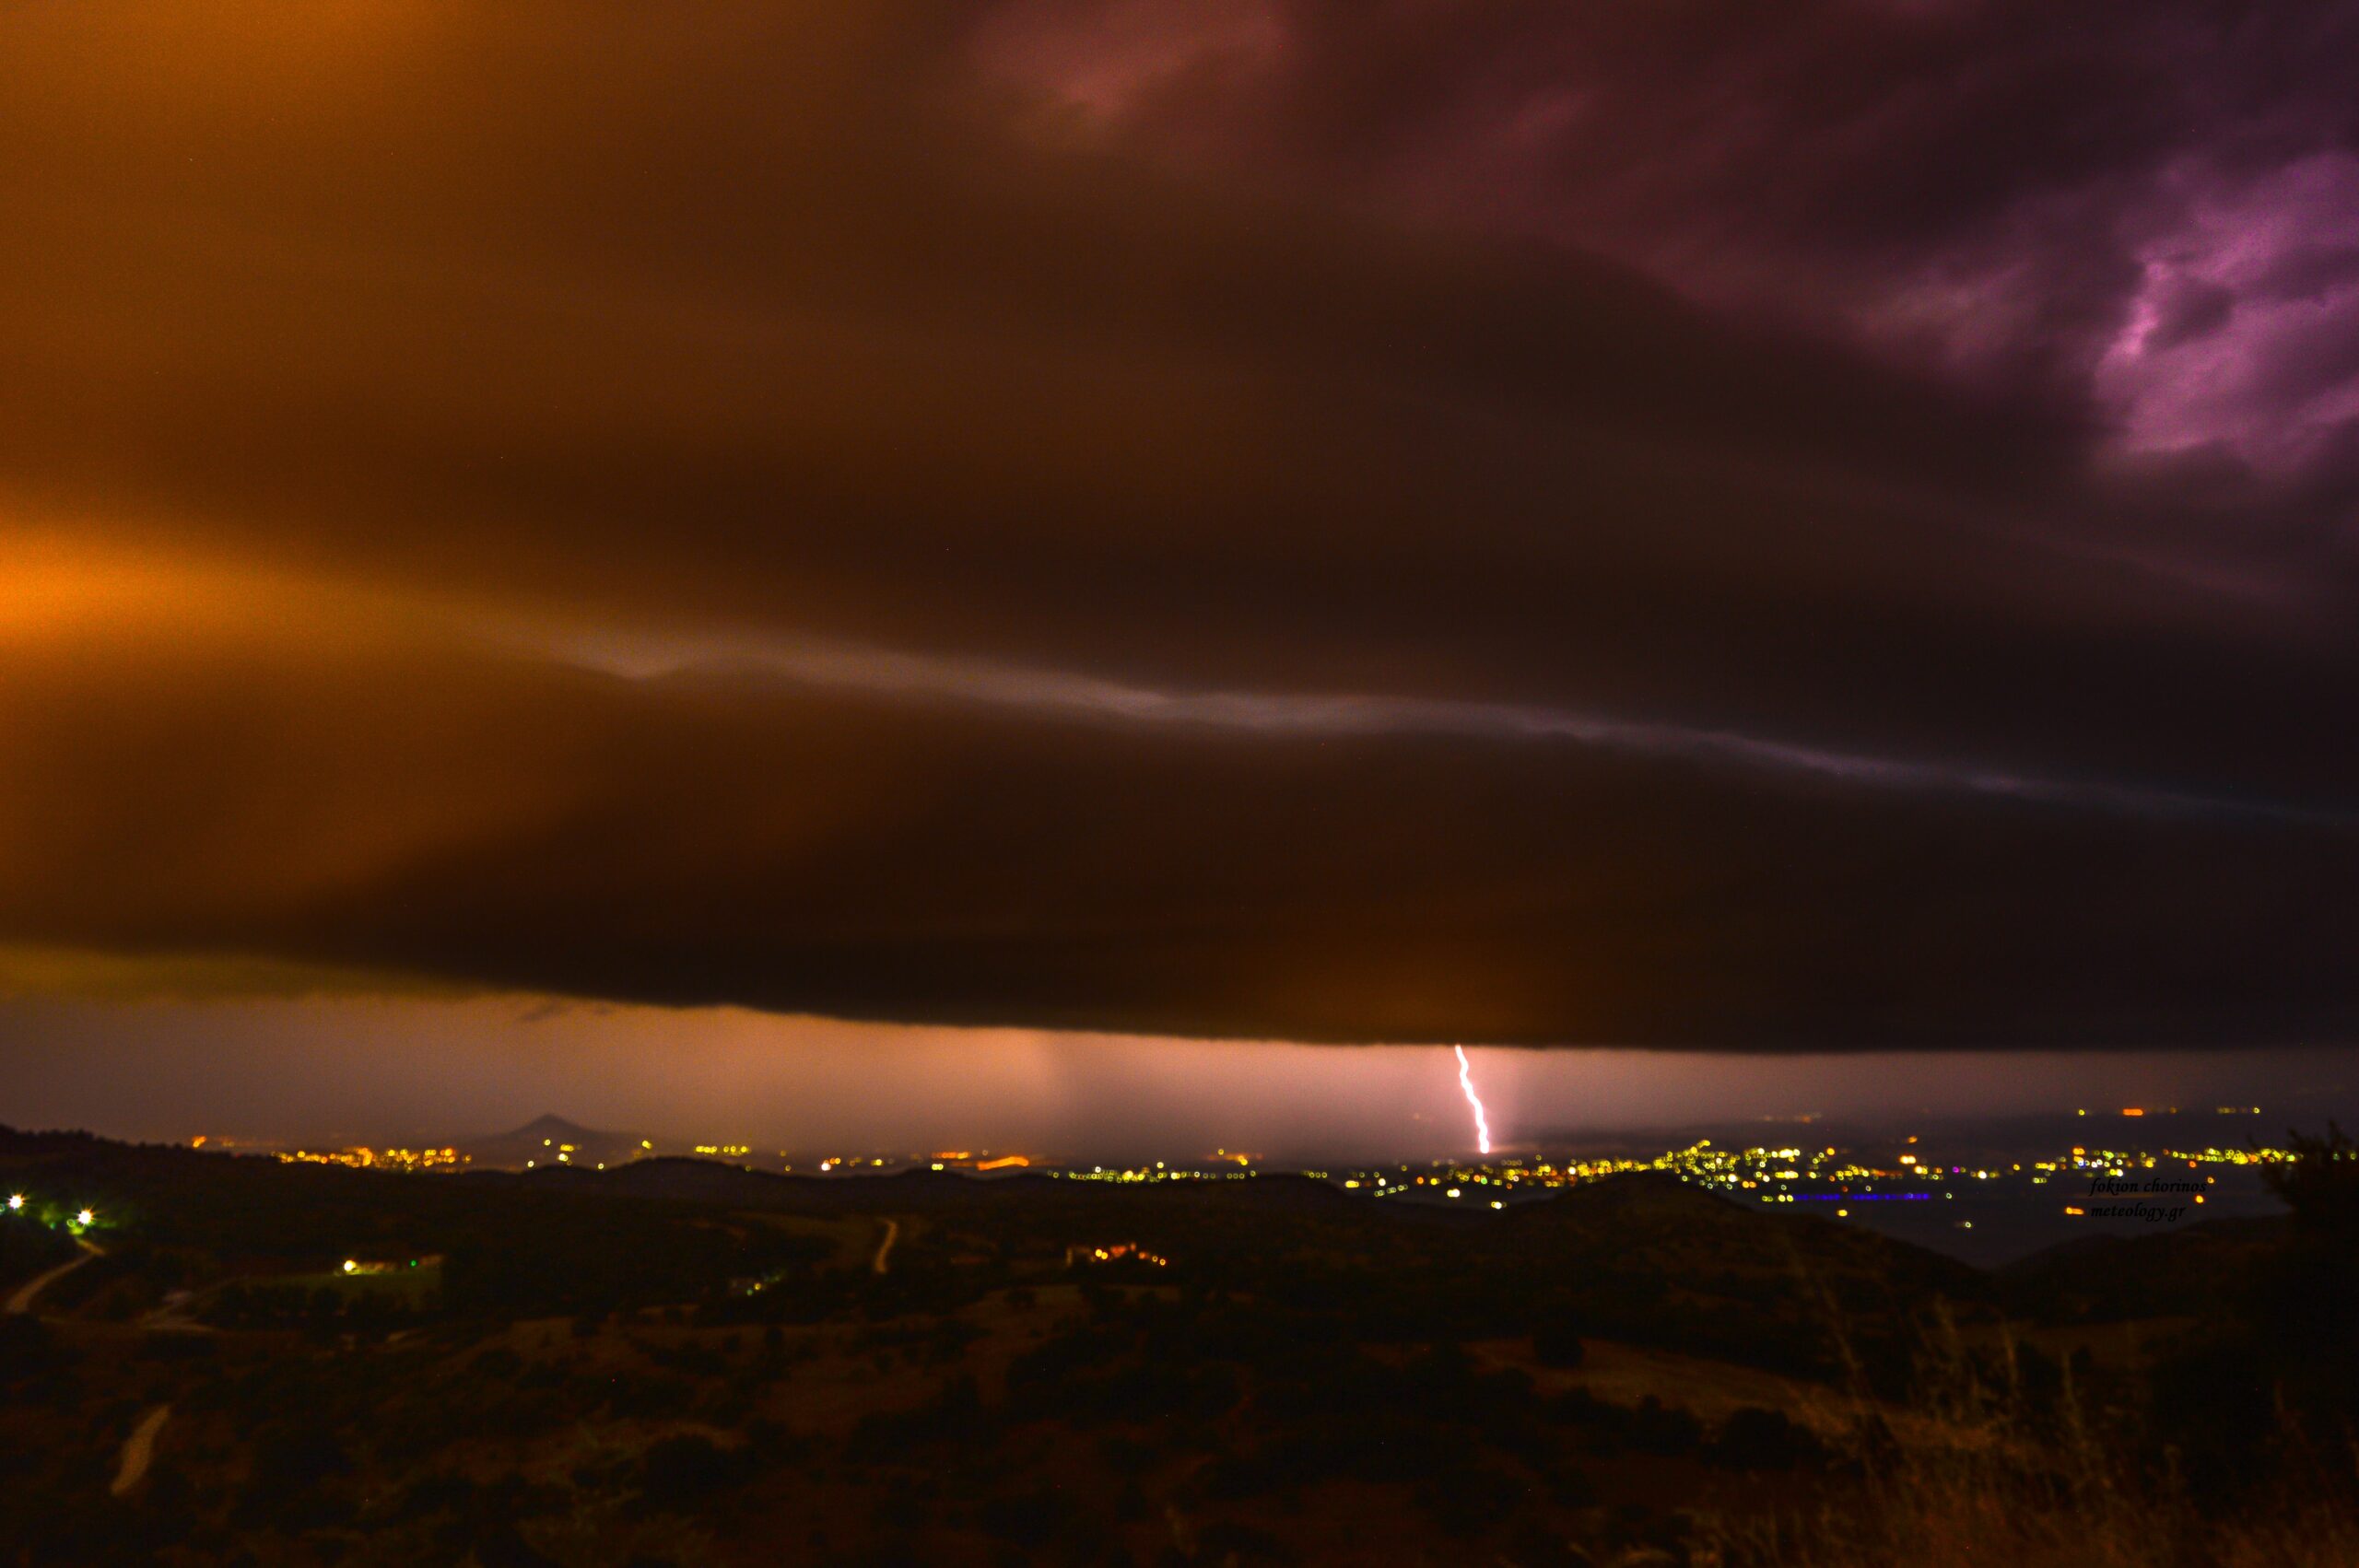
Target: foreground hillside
<point x="686" y="1363"/>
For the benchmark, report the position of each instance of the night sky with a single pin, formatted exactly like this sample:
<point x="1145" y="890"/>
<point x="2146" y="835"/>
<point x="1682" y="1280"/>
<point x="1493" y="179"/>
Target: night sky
<point x="625" y="531"/>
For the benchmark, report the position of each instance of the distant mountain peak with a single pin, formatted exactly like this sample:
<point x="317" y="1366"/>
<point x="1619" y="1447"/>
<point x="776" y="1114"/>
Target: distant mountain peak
<point x="553" y="1139"/>
<point x="551" y="1123"/>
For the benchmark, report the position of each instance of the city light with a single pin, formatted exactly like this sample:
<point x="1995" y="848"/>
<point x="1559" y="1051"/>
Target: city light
<point x="360" y="1158"/>
<point x="1120" y="1250"/>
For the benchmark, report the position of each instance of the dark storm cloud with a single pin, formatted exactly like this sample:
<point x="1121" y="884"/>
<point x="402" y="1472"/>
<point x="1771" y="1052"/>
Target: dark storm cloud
<point x="1831" y="144"/>
<point x="699" y="838"/>
<point x="2007" y="188"/>
<point x="1767" y="396"/>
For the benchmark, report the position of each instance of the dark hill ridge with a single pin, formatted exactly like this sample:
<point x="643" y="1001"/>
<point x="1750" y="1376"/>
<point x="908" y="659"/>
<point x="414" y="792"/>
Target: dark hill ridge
<point x="917" y="1191"/>
<point x="680" y="1180"/>
<point x="1637" y="1254"/>
<point x="1648" y="1214"/>
<point x="1670" y="1221"/>
<point x="2193" y="1270"/>
<point x="1641" y="1258"/>
<point x="200" y="1216"/>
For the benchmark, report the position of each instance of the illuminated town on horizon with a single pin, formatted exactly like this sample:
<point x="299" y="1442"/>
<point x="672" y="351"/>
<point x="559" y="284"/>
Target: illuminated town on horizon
<point x="1834" y="1178"/>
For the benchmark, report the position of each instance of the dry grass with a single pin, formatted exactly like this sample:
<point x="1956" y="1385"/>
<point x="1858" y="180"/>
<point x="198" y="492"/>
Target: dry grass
<point x="1981" y="1478"/>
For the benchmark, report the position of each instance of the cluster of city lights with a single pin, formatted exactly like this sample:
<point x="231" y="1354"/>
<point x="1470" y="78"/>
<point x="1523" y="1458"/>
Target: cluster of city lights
<point x="361" y="1157"/>
<point x="1790" y="1174"/>
<point x="1157" y="1172"/>
<point x="1121" y="1251"/>
<point x="1768" y="1174"/>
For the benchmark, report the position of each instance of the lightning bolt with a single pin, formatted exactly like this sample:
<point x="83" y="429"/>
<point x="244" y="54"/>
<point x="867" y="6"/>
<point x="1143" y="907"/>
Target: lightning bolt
<point x="1466" y="1084"/>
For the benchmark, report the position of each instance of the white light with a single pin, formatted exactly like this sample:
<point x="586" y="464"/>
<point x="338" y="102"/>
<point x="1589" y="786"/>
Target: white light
<point x="1466" y="1083"/>
<point x="84" y="1218"/>
<point x="351" y="1266"/>
<point x="17" y="1201"/>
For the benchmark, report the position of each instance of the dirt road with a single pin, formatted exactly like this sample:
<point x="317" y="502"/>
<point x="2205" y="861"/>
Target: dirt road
<point x="138" y="1448"/>
<point x="22" y="1301"/>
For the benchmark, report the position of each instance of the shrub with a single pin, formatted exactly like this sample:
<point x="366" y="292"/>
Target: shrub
<point x="681" y="1471"/>
<point x="1555" y="1343"/>
<point x="1758" y="1439"/>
